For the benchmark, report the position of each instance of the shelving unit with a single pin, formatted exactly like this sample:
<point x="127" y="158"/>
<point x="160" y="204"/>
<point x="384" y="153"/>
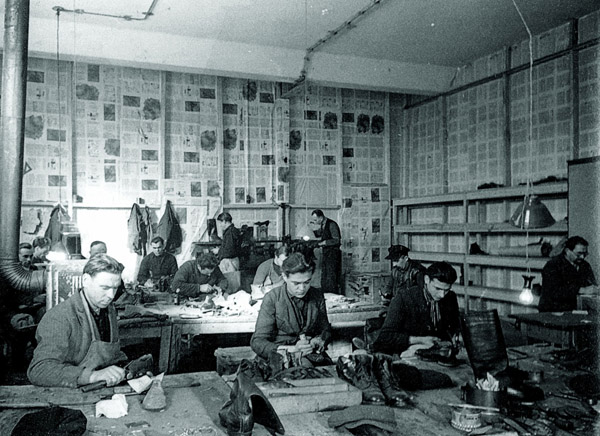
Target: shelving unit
<point x="475" y="228"/>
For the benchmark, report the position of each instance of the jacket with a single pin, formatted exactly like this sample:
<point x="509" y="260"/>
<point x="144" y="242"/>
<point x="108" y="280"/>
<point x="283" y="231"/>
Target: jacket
<point x="188" y="279"/>
<point x="561" y="282"/>
<point x="169" y="229"/>
<point x="278" y="322"/>
<point x="409" y="315"/>
<point x="63" y="339"/>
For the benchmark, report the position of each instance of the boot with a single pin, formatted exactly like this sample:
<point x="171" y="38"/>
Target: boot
<point x="246" y="405"/>
<point x="358" y="371"/>
<point x="394" y="395"/>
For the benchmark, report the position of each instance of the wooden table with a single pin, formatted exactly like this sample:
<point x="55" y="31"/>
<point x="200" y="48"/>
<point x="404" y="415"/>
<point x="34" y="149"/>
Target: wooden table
<point x="565" y="329"/>
<point x="194" y="400"/>
<point x="211" y="323"/>
<point x="133" y="329"/>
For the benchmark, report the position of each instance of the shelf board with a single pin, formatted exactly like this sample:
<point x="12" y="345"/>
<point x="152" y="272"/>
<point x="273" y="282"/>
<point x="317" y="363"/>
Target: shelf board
<point x="495" y="294"/>
<point x="434" y="228"/>
<point x="557" y="188"/>
<point x="437" y="256"/>
<point x="482" y="260"/>
<point x="507" y="261"/>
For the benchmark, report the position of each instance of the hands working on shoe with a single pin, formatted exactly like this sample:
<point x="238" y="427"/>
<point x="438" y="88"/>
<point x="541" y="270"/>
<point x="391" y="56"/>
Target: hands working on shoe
<point x="423" y="343"/>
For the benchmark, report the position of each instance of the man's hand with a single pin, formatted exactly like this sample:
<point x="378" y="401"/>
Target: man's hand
<point x="112" y="375"/>
<point x="318" y="344"/>
<point x="149" y="284"/>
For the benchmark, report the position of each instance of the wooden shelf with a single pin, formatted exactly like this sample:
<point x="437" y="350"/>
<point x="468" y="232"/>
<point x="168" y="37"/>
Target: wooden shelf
<point x="472" y="206"/>
<point x="558" y="189"/>
<point x="559" y="227"/>
<point x="494" y="294"/>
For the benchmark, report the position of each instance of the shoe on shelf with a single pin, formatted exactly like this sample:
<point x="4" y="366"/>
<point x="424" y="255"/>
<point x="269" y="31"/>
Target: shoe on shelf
<point x="357" y="369"/>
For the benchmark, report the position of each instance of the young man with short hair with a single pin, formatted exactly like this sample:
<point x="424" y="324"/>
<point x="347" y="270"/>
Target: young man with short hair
<point x="193" y="274"/>
<point x="156" y="265"/>
<point x="78" y="340"/>
<point x="421" y="315"/>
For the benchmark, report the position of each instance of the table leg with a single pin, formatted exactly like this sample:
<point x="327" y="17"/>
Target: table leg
<point x="175" y="348"/>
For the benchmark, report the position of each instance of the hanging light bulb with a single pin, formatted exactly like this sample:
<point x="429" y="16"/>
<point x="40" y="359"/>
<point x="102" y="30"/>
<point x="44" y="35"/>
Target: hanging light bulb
<point x="526" y="296"/>
<point x="532" y="214"/>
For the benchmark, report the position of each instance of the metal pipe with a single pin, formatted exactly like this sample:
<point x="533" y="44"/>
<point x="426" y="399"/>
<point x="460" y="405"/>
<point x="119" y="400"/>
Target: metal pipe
<point x="12" y="138"/>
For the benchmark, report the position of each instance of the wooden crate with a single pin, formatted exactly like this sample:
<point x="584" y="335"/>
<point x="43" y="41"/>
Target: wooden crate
<point x="310" y="395"/>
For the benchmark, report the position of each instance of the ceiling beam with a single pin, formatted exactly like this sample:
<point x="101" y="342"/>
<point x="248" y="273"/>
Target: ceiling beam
<point x="122" y="46"/>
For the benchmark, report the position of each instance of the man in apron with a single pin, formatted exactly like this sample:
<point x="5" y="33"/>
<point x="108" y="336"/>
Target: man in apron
<point x="78" y="340"/>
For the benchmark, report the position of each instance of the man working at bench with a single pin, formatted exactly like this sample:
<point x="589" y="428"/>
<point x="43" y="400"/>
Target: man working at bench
<point x="78" y="340"/>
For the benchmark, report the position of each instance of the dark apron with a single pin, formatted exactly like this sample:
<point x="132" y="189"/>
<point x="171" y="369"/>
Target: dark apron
<point x="101" y="354"/>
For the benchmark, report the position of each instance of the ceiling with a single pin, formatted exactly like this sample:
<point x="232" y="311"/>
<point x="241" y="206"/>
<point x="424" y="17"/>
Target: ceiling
<point x="444" y="33"/>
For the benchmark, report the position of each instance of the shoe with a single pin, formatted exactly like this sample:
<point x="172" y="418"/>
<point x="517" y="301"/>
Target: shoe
<point x="358" y="371"/>
<point x="246" y="405"/>
<point x="394" y="395"/>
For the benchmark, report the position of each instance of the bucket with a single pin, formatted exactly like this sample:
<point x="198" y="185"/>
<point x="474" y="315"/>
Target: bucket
<point x="483" y="398"/>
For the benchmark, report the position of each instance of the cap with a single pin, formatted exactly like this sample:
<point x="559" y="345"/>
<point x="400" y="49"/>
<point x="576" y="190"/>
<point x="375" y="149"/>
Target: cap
<point x="395" y="252"/>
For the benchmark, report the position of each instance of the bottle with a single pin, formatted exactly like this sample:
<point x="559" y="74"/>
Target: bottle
<point x="177" y="297"/>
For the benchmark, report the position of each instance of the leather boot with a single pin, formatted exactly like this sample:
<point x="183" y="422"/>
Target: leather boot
<point x="246" y="405"/>
<point x="394" y="395"/>
<point x="358" y="371"/>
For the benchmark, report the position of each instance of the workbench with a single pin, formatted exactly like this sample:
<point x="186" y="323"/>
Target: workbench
<point x="194" y="400"/>
<point x="211" y="322"/>
<point x="565" y="329"/>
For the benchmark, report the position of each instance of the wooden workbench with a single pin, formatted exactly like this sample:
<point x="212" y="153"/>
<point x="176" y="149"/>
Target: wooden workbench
<point x="170" y="332"/>
<point x="194" y="400"/>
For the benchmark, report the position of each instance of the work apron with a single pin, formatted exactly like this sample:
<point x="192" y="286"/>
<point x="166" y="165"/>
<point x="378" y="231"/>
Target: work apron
<point x="100" y="354"/>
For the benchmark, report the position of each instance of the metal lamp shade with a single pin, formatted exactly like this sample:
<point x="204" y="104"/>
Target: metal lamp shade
<point x="532" y="214"/>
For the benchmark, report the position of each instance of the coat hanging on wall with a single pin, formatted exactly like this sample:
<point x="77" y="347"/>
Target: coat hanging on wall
<point x="169" y="229"/>
<point x="136" y="231"/>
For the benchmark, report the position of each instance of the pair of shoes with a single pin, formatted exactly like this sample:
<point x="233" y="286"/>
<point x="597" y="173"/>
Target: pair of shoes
<point x="373" y="376"/>
<point x="394" y="394"/>
<point x="357" y="369"/>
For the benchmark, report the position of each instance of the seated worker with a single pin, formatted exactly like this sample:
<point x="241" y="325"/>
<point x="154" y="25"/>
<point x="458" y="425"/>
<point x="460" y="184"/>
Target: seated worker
<point x="405" y="271"/>
<point x="26" y="256"/>
<point x="269" y="272"/>
<point x="566" y="275"/>
<point x="78" y="340"/>
<point x="421" y="316"/>
<point x="41" y="248"/>
<point x="292" y="315"/>
<point x="157" y="264"/>
<point x="97" y="247"/>
<point x="193" y="274"/>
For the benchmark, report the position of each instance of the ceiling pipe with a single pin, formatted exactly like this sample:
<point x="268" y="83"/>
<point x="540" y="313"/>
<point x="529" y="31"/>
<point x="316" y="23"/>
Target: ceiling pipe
<point x="341" y="29"/>
<point x="145" y="15"/>
<point x="13" y="277"/>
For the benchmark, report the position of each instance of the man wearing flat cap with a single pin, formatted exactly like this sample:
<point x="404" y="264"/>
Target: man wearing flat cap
<point x="405" y="271"/>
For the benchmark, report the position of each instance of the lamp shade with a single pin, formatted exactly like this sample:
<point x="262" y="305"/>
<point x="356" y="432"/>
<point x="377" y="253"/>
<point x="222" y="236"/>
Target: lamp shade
<point x="532" y="214"/>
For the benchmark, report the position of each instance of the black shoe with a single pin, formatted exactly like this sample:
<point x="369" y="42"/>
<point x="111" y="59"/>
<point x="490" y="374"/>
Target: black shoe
<point x="394" y="395"/>
<point x="358" y="371"/>
<point x="246" y="405"/>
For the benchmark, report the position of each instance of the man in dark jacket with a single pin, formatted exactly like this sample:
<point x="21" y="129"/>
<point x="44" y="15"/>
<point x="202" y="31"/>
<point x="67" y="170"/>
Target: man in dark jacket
<point x="157" y="265"/>
<point x="199" y="276"/>
<point x="331" y="263"/>
<point x="421" y="316"/>
<point x="293" y="315"/>
<point x="229" y="251"/>
<point x="405" y="271"/>
<point x="564" y="276"/>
